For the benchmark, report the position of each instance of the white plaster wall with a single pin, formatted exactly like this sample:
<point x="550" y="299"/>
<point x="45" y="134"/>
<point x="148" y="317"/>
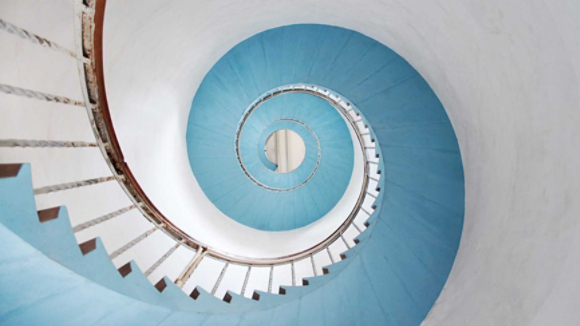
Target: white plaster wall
<point x="507" y="73"/>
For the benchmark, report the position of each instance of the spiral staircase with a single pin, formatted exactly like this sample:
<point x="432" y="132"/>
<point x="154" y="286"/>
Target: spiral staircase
<point x="116" y="210"/>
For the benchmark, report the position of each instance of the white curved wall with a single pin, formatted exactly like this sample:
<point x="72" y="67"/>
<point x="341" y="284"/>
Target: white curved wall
<point x="507" y="73"/>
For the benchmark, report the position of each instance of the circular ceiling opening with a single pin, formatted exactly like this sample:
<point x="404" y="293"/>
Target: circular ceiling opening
<point x="286" y="149"/>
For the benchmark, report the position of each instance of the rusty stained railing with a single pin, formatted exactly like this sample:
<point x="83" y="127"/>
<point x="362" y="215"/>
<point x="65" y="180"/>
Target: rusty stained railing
<point x="89" y="30"/>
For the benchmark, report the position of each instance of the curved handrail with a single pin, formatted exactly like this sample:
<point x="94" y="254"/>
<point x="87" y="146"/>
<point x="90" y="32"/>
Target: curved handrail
<point x="89" y="31"/>
<point x="243" y="166"/>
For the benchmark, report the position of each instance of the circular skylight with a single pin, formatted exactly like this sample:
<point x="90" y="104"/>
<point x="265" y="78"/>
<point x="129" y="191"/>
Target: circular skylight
<point x="286" y="149"/>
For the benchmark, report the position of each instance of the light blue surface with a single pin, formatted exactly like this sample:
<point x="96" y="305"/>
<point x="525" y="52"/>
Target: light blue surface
<point x="309" y="192"/>
<point x="392" y="277"/>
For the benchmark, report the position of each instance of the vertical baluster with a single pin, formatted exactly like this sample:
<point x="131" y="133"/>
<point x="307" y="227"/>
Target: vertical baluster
<point x="133" y="242"/>
<point x="313" y="264"/>
<point x="270" y="280"/>
<point x="356" y="227"/>
<point x="219" y="280"/>
<point x="190" y="268"/>
<point x="293" y="274"/>
<point x="71" y="185"/>
<point x="24" y="34"/>
<point x="102" y="219"/>
<point x="344" y="240"/>
<point x="8" y="89"/>
<point x="161" y="260"/>
<point x="330" y="255"/>
<point x="246" y="280"/>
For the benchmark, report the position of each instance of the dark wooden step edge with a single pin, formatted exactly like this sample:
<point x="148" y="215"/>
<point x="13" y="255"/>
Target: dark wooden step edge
<point x="48" y="214"/>
<point x="9" y="170"/>
<point x="88" y="246"/>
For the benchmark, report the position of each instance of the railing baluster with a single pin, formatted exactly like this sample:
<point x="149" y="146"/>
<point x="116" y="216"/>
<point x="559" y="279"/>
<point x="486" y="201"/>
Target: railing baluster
<point x="313" y="264"/>
<point x="293" y="274"/>
<point x="219" y="280"/>
<point x="161" y="260"/>
<point x="71" y="185"/>
<point x="190" y="268"/>
<point x="246" y="281"/>
<point x="271" y="279"/>
<point x="102" y="219"/>
<point x="356" y="227"/>
<point x="44" y="143"/>
<point x="133" y="242"/>
<point x="329" y="254"/>
<point x="364" y="210"/>
<point x="7" y="89"/>
<point x="24" y="34"/>
<point x="344" y="240"/>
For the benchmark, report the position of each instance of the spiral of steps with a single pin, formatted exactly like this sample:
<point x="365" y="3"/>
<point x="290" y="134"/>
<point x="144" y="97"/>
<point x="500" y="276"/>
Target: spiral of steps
<point x="417" y="209"/>
<point x="135" y="188"/>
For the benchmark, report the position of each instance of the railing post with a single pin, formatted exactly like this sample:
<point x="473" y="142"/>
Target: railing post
<point x="190" y="268"/>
